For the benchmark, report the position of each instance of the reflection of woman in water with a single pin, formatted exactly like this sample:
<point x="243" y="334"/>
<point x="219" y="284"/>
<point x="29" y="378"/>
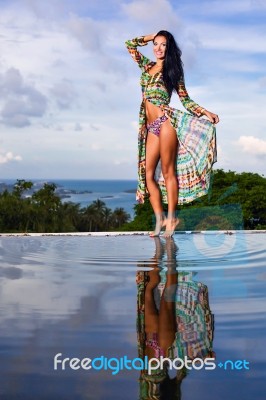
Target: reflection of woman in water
<point x="173" y="321"/>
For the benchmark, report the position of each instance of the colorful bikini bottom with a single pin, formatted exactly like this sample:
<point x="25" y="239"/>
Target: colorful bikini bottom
<point x="152" y="343"/>
<point x="155" y="126"/>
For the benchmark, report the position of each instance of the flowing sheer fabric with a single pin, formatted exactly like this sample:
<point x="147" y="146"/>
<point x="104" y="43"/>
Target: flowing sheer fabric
<point x="196" y="136"/>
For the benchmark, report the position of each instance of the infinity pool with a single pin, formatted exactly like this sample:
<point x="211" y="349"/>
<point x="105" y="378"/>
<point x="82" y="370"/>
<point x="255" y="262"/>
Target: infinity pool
<point x="103" y="302"/>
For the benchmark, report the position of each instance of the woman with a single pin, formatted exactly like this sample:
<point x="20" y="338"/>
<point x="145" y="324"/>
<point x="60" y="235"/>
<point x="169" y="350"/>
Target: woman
<point x="176" y="150"/>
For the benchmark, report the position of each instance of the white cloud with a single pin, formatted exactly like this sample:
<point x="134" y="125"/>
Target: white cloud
<point x="262" y="82"/>
<point x="20" y="100"/>
<point x="87" y="31"/>
<point x="159" y="12"/>
<point x="252" y="145"/>
<point x="122" y="162"/>
<point x="135" y="125"/>
<point x="95" y="146"/>
<point x="5" y="158"/>
<point x="45" y="10"/>
<point x="64" y="93"/>
<point x="11" y="81"/>
<point x="64" y="67"/>
<point x="224" y="37"/>
<point x="78" y="127"/>
<point x="225" y="7"/>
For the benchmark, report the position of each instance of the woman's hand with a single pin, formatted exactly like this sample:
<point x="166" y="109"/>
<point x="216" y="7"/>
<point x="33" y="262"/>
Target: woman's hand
<point x="211" y="117"/>
<point x="148" y="38"/>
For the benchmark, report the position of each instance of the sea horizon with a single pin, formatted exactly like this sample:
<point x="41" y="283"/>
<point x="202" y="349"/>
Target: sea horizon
<point x="115" y="193"/>
<point x="66" y="179"/>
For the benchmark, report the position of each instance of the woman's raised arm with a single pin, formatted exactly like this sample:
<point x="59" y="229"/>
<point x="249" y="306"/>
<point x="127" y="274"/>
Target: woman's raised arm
<point x="132" y="45"/>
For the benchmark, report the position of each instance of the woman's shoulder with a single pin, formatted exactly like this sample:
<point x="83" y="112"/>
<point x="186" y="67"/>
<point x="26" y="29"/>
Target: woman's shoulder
<point x="148" y="66"/>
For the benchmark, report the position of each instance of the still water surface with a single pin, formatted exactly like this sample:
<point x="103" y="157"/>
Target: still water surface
<point x="196" y="295"/>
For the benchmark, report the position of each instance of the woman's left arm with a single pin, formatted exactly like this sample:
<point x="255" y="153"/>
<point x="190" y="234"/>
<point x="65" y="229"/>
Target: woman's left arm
<point x="193" y="107"/>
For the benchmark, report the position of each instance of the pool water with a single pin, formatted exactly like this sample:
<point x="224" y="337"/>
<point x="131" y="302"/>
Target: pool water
<point x="199" y="295"/>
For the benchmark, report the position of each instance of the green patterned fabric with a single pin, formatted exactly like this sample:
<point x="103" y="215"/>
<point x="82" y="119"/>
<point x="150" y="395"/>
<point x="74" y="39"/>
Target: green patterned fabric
<point x="194" y="319"/>
<point x="193" y="335"/>
<point x="196" y="136"/>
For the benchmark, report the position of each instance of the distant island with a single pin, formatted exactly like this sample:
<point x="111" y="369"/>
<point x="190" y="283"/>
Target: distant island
<point x="66" y="193"/>
<point x="130" y="191"/>
<point x="59" y="190"/>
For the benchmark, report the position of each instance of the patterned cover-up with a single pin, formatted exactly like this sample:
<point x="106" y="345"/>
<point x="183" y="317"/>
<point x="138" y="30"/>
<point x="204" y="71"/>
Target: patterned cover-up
<point x="196" y="136"/>
<point x="194" y="319"/>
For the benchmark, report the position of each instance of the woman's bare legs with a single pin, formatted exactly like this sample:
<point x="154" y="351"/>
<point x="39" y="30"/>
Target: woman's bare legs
<point x="152" y="158"/>
<point x="168" y="152"/>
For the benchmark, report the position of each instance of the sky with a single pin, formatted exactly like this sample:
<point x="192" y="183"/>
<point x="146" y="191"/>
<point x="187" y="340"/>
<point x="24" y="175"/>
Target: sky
<point x="70" y="95"/>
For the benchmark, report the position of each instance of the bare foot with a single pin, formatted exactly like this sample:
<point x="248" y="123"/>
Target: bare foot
<point x="170" y="226"/>
<point x="159" y="225"/>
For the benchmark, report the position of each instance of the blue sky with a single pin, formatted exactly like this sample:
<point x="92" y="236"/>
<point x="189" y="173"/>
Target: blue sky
<point x="69" y="91"/>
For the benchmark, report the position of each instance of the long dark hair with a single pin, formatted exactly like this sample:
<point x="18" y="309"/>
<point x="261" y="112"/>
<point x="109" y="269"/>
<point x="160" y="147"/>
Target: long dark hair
<point x="173" y="71"/>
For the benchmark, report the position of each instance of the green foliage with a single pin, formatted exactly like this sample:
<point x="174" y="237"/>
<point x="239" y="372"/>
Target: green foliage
<point x="235" y="201"/>
<point x="45" y="212"/>
<point x="246" y="189"/>
<point x="144" y="219"/>
<point x="21" y="186"/>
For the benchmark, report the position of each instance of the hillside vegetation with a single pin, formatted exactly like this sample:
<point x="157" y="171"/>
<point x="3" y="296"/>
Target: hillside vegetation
<point x="235" y="201"/>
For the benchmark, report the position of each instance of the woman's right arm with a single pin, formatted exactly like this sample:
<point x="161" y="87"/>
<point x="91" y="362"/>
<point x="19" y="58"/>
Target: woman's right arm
<point x="193" y="107"/>
<point x="135" y="54"/>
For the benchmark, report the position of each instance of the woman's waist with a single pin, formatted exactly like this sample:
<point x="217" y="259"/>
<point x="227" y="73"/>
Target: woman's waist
<point x="155" y="100"/>
<point x="153" y="110"/>
<point x="156" y="94"/>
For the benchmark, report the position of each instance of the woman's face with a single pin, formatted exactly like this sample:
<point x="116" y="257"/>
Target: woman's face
<point x="159" y="47"/>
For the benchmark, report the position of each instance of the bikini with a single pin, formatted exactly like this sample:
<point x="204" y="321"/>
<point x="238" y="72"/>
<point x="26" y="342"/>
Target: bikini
<point x="155" y="126"/>
<point x="152" y="343"/>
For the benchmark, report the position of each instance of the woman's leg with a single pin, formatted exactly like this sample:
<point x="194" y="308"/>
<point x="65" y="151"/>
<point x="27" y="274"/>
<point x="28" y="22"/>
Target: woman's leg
<point x="168" y="154"/>
<point x="152" y="158"/>
<point x="167" y="318"/>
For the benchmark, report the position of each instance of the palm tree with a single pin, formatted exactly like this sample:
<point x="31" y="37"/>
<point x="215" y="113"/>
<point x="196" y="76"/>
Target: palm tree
<point x="93" y="216"/>
<point x="107" y="218"/>
<point x="119" y="217"/>
<point x="69" y="216"/>
<point x="48" y="204"/>
<point x="98" y="207"/>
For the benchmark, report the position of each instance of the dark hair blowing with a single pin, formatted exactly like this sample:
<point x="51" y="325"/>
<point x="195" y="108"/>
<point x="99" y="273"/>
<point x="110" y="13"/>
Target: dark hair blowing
<point x="173" y="66"/>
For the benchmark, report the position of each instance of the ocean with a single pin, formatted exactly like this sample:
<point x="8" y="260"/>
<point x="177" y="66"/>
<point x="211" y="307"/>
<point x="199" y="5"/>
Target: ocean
<point x="114" y="193"/>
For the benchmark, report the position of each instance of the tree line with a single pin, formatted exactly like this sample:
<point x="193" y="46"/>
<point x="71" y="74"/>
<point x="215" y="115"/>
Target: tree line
<point x="234" y="201"/>
<point x="44" y="211"/>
